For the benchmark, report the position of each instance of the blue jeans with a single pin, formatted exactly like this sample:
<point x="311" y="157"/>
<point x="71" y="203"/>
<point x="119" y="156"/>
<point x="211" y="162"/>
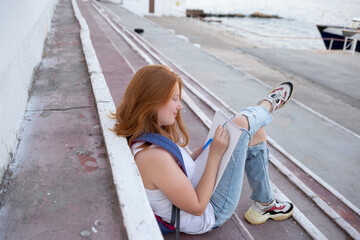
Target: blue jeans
<point x="254" y="160"/>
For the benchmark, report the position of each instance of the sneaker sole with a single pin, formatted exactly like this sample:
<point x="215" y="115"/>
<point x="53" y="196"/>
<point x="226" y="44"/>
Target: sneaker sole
<point x="291" y="92"/>
<point x="256" y="219"/>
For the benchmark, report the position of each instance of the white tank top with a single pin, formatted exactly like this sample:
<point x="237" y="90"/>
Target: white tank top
<point x="162" y="206"/>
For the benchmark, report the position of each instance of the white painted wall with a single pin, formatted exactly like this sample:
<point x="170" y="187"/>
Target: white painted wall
<point x="139" y="7"/>
<point x="175" y="8"/>
<point x="24" y="26"/>
<point x="162" y="7"/>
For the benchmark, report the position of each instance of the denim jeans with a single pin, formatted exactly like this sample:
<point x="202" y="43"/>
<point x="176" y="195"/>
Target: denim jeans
<point x="253" y="160"/>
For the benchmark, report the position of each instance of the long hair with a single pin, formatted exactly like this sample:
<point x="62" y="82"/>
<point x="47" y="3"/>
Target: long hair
<point x="150" y="88"/>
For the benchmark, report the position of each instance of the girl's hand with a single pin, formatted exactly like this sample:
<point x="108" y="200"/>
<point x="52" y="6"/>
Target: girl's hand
<point x="220" y="143"/>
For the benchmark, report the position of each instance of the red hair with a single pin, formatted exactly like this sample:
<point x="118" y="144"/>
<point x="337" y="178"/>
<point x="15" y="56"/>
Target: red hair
<point x="150" y="88"/>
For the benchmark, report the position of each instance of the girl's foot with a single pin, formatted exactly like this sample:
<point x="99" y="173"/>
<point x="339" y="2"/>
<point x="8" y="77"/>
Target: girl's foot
<point x="279" y="96"/>
<point x="276" y="210"/>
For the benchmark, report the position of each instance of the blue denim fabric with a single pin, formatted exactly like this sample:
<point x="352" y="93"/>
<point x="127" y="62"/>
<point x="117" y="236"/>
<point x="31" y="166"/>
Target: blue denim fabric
<point x="254" y="160"/>
<point x="256" y="167"/>
<point x="257" y="116"/>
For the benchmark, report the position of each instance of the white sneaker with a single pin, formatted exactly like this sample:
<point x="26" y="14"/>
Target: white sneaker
<point x="276" y="210"/>
<point x="280" y="95"/>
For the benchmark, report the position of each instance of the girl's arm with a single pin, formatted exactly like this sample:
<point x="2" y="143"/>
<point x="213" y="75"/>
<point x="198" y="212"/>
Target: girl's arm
<point x="160" y="171"/>
<point x="197" y="152"/>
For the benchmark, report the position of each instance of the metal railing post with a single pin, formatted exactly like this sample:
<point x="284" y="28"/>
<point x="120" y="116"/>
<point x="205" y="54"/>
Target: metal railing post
<point x="331" y="43"/>
<point x="345" y="44"/>
<point x="354" y="43"/>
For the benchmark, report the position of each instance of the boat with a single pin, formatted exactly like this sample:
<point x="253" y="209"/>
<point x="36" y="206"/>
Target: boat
<point x="340" y="37"/>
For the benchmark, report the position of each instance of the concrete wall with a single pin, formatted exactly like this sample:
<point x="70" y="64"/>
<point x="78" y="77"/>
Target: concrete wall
<point x="24" y="26"/>
<point x="162" y="7"/>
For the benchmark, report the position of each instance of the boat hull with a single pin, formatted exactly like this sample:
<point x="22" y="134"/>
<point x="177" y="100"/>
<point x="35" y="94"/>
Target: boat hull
<point x="333" y="37"/>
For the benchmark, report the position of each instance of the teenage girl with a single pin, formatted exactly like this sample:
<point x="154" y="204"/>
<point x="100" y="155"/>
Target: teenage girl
<point x="152" y="104"/>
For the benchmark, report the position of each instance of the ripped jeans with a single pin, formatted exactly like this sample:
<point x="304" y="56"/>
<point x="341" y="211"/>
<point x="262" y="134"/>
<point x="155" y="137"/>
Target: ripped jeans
<point x="254" y="160"/>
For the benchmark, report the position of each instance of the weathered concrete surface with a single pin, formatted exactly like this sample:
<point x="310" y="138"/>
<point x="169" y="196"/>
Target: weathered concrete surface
<point x="60" y="183"/>
<point x="336" y="71"/>
<point x="23" y="33"/>
<point x="314" y="141"/>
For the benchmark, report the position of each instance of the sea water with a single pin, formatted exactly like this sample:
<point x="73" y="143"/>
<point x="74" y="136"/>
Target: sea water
<point x="297" y="27"/>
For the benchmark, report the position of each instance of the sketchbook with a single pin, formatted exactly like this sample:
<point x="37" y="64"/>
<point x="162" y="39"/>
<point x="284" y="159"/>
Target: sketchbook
<point x="234" y="134"/>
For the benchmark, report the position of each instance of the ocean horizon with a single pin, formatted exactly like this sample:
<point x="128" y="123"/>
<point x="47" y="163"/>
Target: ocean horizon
<point x="296" y="28"/>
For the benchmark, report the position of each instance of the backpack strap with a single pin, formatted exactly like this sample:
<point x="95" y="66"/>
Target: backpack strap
<point x="174" y="149"/>
<point x="165" y="143"/>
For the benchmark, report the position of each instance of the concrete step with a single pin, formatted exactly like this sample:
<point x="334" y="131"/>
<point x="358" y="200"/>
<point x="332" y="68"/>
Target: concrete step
<point x="59" y="184"/>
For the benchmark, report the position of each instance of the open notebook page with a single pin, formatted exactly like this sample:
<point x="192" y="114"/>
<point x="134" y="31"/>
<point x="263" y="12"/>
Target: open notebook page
<point x="234" y="134"/>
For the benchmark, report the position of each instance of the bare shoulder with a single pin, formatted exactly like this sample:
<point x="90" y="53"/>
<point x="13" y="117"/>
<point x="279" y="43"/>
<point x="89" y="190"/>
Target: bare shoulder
<point x="153" y="155"/>
<point x="156" y="165"/>
<point x="156" y="160"/>
<point x="159" y="170"/>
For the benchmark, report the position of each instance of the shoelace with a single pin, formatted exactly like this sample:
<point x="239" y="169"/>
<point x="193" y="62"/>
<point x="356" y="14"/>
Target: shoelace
<point x="278" y="99"/>
<point x="279" y="95"/>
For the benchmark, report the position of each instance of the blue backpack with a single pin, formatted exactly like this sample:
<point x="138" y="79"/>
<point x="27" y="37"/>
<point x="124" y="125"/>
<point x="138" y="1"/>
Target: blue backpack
<point x="171" y="147"/>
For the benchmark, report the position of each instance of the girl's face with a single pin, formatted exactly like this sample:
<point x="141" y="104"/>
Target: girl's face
<point x="167" y="113"/>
